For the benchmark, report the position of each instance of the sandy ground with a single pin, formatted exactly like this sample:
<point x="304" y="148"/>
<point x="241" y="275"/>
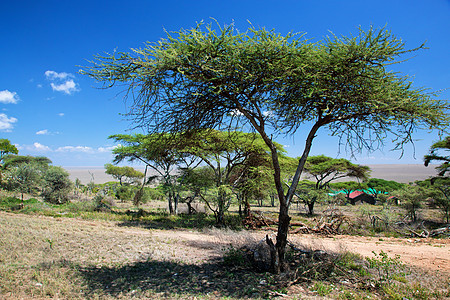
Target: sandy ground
<point x="191" y="246"/>
<point x="427" y="254"/>
<point x="398" y="172"/>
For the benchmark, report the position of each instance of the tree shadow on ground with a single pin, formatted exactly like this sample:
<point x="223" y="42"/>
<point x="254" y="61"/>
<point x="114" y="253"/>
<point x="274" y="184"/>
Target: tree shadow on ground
<point x="167" y="279"/>
<point x="154" y="220"/>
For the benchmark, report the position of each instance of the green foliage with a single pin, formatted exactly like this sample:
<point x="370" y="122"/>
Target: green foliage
<point x="6" y="148"/>
<point x="434" y="155"/>
<point x="125" y="192"/>
<point x="57" y="185"/>
<point x="384" y="185"/>
<point x="233" y="257"/>
<point x="386" y="267"/>
<point x="322" y="289"/>
<point x="125" y="173"/>
<point x="411" y="198"/>
<point x="326" y="169"/>
<point x="25" y="178"/>
<point x="307" y="192"/>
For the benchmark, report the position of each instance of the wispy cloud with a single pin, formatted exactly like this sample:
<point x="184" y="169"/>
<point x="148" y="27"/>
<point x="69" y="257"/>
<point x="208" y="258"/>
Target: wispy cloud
<point x="65" y="149"/>
<point x="107" y="149"/>
<point x="62" y="82"/>
<point x="83" y="149"/>
<point x="7" y="123"/>
<point x="52" y="75"/>
<point x="43" y="132"/>
<point x="61" y="114"/>
<point x="41" y="148"/>
<point x="7" y="97"/>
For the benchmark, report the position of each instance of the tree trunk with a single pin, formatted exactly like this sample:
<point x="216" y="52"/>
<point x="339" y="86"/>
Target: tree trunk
<point x="272" y="200"/>
<point x="220" y="217"/>
<point x="176" y="198"/>
<point x="283" y="228"/>
<point x="311" y="207"/>
<point x="278" y="265"/>
<point x="247" y="208"/>
<point x="170" y="204"/>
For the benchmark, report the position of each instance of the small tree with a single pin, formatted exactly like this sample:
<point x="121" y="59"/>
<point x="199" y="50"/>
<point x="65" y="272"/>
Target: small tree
<point x="56" y="185"/>
<point x="442" y="181"/>
<point x="5" y="149"/>
<point x="24" y="178"/>
<point x="126" y="173"/>
<point x="411" y="198"/>
<point x="160" y="152"/>
<point x="309" y="194"/>
<point x="442" y="198"/>
<point x="326" y="169"/>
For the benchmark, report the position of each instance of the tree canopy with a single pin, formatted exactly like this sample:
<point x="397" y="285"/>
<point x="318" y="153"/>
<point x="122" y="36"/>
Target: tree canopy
<point x="123" y="173"/>
<point x="326" y="169"/>
<point x="437" y="153"/>
<point x="7" y="148"/>
<point x="207" y="78"/>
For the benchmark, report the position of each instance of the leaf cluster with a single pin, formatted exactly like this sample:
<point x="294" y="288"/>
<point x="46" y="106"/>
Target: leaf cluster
<point x="206" y="78"/>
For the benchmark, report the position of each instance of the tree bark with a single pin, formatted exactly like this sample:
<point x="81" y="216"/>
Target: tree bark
<point x="285" y="200"/>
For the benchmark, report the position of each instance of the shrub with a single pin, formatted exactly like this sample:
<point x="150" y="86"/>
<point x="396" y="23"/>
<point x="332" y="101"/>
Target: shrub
<point x="386" y="267"/>
<point x="57" y="185"/>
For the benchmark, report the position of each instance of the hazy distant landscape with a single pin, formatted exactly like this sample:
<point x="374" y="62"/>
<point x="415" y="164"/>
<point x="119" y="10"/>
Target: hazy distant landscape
<point x="403" y="173"/>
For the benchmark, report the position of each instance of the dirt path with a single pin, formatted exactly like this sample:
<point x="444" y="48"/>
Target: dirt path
<point x="428" y="254"/>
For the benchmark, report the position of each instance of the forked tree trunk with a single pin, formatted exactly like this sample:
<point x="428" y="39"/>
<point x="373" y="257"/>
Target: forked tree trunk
<point x="278" y="250"/>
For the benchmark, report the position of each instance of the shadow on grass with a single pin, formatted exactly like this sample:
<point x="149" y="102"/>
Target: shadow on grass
<point x="170" y="279"/>
<point x="154" y="220"/>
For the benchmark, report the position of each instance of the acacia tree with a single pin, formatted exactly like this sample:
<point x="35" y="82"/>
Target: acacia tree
<point x="442" y="181"/>
<point x="6" y="148"/>
<point x="125" y="173"/>
<point x="435" y="155"/>
<point x="160" y="152"/>
<point x="233" y="157"/>
<point x="326" y="169"/>
<point x="203" y="78"/>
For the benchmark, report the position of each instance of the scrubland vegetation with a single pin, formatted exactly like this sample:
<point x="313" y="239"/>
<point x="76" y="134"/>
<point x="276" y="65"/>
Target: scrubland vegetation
<point x="104" y="247"/>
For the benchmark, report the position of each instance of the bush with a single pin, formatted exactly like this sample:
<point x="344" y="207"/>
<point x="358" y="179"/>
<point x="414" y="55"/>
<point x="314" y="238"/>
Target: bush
<point x="125" y="192"/>
<point x="57" y="185"/>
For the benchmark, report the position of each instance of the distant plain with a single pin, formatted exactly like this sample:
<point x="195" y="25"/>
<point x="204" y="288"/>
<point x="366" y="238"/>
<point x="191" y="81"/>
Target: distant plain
<point x="403" y="173"/>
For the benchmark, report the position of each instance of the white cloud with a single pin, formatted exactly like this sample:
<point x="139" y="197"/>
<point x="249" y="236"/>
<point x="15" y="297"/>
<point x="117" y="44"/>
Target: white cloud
<point x="41" y="148"/>
<point x="61" y="114"/>
<point x="43" y="132"/>
<point x="62" y="82"/>
<point x="107" y="149"/>
<point x="67" y="87"/>
<point x="52" y="75"/>
<point x="6" y="123"/>
<point x="8" y="97"/>
<point x="39" y="85"/>
<point x="83" y="149"/>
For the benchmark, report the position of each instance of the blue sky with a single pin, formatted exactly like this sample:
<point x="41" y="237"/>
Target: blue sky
<point x="48" y="108"/>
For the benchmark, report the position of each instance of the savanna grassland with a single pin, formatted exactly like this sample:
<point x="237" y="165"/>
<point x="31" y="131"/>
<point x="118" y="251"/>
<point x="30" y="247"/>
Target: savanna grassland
<point x="72" y="251"/>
